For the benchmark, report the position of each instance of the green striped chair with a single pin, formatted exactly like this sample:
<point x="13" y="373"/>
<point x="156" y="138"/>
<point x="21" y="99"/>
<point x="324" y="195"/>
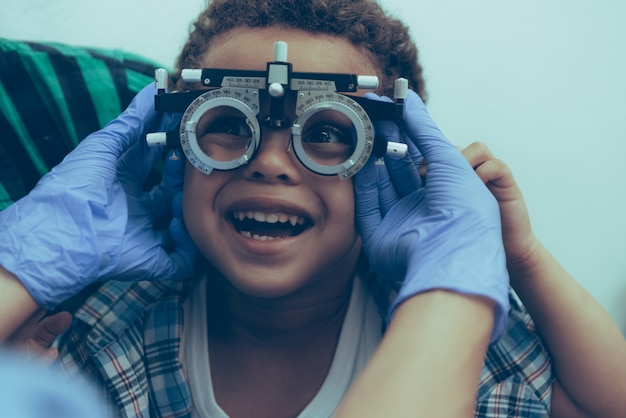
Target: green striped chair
<point x="51" y="97"/>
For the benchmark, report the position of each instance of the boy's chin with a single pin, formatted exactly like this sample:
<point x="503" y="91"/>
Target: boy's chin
<point x="257" y="283"/>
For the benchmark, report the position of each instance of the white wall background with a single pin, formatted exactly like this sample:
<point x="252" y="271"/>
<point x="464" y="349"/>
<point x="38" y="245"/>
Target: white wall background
<point x="543" y="83"/>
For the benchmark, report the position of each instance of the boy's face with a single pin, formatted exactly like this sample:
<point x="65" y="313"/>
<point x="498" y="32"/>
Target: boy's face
<point x="243" y="220"/>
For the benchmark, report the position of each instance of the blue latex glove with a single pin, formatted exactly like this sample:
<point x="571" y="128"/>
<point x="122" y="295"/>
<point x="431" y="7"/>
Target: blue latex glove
<point x="444" y="234"/>
<point x="89" y="219"/>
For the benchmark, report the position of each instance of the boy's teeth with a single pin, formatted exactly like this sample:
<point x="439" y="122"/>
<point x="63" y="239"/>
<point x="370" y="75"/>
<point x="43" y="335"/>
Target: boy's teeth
<point x="259" y="217"/>
<point x="271" y="218"/>
<point x="248" y="234"/>
<point x="263" y="237"/>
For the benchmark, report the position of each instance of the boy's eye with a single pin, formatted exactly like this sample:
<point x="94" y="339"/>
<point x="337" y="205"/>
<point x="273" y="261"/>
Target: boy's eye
<point x="325" y="134"/>
<point x="228" y="125"/>
<point x="328" y="143"/>
<point x="223" y="137"/>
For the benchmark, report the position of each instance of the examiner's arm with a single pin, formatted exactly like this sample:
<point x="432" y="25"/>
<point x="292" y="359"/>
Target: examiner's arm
<point x="442" y="240"/>
<point x="16" y="304"/>
<point x="429" y="361"/>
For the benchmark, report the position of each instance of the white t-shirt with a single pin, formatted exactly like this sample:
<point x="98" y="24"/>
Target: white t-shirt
<point x="360" y="335"/>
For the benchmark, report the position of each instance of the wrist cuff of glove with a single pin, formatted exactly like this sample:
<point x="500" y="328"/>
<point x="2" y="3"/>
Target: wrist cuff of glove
<point x="492" y="286"/>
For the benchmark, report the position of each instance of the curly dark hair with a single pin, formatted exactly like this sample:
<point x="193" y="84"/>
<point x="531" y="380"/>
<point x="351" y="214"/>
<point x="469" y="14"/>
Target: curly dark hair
<point x="385" y="40"/>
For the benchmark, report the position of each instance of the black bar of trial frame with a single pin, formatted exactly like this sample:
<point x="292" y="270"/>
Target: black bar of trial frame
<point x="343" y="82"/>
<point x="178" y="103"/>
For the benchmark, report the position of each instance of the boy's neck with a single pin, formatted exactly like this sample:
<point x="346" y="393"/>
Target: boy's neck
<point x="313" y="311"/>
<point x="284" y="321"/>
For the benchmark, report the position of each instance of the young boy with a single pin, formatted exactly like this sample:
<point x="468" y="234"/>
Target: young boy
<point x="287" y="323"/>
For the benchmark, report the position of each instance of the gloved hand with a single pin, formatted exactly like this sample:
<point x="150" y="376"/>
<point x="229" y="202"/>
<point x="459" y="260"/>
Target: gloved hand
<point x="89" y="218"/>
<point x="444" y="234"/>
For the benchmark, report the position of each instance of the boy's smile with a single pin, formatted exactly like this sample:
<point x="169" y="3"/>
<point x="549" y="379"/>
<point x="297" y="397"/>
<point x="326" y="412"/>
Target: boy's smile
<point x="272" y="227"/>
<point x="266" y="226"/>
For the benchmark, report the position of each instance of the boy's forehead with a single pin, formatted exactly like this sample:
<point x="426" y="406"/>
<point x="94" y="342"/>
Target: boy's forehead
<point x="252" y="48"/>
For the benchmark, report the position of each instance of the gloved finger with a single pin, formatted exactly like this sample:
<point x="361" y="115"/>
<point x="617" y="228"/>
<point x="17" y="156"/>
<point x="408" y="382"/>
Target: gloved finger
<point x="387" y="195"/>
<point x="102" y="149"/>
<point x="186" y="252"/>
<point x="174" y="170"/>
<point x="177" y="205"/>
<point x="416" y="156"/>
<point x="367" y="208"/>
<point x="135" y="165"/>
<point x="412" y="152"/>
<point x="158" y="200"/>
<point x="403" y="171"/>
<point x="176" y="211"/>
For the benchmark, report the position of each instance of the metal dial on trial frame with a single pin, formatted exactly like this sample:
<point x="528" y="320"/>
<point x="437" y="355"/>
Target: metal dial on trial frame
<point x="243" y="99"/>
<point x="311" y="102"/>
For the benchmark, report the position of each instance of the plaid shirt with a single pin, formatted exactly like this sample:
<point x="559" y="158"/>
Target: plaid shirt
<point x="127" y="337"/>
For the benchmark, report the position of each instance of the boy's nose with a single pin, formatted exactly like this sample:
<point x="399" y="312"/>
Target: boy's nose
<point x="274" y="160"/>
